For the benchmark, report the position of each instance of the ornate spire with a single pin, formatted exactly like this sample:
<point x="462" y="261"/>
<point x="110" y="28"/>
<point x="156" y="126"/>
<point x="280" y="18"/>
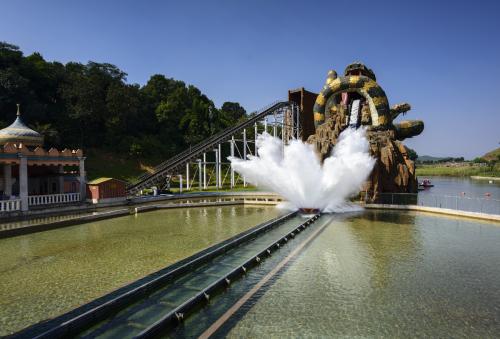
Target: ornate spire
<point x="19" y="133"/>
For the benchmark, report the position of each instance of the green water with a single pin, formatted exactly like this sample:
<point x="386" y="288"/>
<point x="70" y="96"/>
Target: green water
<point x="45" y="274"/>
<point x="384" y="274"/>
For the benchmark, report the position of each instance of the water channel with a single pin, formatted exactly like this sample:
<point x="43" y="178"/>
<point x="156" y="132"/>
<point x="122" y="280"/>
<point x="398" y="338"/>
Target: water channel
<point x="47" y="273"/>
<point x="378" y="274"/>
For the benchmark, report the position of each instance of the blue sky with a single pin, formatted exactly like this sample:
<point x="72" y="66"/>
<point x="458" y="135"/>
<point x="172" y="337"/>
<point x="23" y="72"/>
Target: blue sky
<point x="443" y="57"/>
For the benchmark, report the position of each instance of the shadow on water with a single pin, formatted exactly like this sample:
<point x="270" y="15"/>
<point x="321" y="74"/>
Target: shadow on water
<point x="386" y="216"/>
<point x="388" y="237"/>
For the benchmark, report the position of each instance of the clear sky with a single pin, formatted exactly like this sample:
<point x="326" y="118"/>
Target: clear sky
<point x="443" y="57"/>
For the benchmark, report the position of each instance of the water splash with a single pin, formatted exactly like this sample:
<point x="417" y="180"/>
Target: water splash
<point x="295" y="172"/>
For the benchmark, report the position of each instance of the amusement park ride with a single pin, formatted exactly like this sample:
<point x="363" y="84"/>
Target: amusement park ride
<point x="352" y="100"/>
<point x="281" y="119"/>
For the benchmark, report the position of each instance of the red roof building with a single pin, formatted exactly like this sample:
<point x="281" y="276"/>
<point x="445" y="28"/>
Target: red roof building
<point x="105" y="190"/>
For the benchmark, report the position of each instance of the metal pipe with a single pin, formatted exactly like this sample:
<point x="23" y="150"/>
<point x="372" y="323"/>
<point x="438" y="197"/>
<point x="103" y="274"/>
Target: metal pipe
<point x="244" y="152"/>
<point x="187" y="176"/>
<point x="216" y="168"/>
<point x="205" y="170"/>
<point x="255" y="136"/>
<point x="199" y="174"/>
<point x="220" y="166"/>
<point x="274" y="125"/>
<point x="180" y="183"/>
<point x="232" y="155"/>
<point x="284" y="129"/>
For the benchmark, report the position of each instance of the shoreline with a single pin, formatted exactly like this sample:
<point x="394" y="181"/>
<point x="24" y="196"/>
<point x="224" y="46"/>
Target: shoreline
<point x="478" y="177"/>
<point x="455" y="175"/>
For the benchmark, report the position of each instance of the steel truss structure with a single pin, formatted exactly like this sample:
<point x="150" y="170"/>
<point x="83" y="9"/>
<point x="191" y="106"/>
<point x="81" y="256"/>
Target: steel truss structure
<point x="205" y="165"/>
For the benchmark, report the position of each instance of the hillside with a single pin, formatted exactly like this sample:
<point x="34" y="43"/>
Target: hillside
<point x="492" y="155"/>
<point x="106" y="164"/>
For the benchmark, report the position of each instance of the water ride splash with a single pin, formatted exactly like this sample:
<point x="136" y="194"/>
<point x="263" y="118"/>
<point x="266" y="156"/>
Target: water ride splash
<point x="295" y="172"/>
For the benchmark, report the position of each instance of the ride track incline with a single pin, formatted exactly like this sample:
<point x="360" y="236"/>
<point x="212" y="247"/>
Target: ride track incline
<point x="163" y="170"/>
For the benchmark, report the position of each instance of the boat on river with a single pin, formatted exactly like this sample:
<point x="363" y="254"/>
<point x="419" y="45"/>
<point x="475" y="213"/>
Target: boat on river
<point x="425" y="183"/>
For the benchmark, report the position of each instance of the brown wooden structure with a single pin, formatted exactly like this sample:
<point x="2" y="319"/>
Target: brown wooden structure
<point x="305" y="100"/>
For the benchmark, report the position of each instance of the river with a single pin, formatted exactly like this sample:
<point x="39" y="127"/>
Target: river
<point x="462" y="193"/>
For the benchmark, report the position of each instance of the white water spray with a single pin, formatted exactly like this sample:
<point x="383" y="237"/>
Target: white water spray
<point x="295" y="172"/>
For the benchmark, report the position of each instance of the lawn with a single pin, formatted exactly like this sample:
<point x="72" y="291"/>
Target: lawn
<point x="105" y="164"/>
<point x="461" y="170"/>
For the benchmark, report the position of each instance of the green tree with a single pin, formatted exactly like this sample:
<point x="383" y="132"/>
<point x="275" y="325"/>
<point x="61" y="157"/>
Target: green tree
<point x="92" y="106"/>
<point x="412" y="154"/>
<point x="232" y="113"/>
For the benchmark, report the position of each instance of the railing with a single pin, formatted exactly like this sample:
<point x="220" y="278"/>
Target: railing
<point x="463" y="203"/>
<point x="455" y="202"/>
<point x="149" y="179"/>
<point x="35" y="200"/>
<point x="255" y="116"/>
<point x="10" y="205"/>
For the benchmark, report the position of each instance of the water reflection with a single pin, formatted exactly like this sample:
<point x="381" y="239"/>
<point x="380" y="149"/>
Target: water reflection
<point x="385" y="274"/>
<point x="44" y="274"/>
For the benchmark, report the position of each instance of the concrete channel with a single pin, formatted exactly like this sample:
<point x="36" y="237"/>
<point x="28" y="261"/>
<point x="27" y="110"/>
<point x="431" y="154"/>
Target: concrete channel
<point x="160" y="301"/>
<point x="40" y="223"/>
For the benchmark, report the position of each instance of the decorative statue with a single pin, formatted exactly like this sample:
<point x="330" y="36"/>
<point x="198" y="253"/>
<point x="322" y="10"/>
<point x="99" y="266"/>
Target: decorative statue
<point x="354" y="100"/>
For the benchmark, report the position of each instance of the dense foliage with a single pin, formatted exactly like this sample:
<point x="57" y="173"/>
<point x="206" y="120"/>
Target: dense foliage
<point x="441" y="160"/>
<point x="93" y="106"/>
<point x="412" y="154"/>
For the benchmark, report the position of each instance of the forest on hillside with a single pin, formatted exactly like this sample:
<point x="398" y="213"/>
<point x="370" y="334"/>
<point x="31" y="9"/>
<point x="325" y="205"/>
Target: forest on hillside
<point x="91" y="106"/>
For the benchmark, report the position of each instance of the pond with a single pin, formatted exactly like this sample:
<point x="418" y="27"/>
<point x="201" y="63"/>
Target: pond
<point x="462" y="193"/>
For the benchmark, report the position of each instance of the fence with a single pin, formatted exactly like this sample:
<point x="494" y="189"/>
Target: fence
<point x="34" y="200"/>
<point x="10" y="205"/>
<point x="455" y="202"/>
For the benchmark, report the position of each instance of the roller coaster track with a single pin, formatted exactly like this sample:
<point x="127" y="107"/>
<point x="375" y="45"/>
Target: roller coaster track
<point x="165" y="169"/>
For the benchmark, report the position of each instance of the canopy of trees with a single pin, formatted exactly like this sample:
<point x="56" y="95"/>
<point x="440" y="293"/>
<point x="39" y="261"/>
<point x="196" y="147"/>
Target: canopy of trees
<point x="441" y="160"/>
<point x="93" y="106"/>
<point x="412" y="154"/>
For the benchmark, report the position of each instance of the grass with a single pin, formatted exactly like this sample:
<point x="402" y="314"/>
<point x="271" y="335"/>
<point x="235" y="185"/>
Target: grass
<point x="238" y="188"/>
<point x="105" y="164"/>
<point x="462" y="170"/>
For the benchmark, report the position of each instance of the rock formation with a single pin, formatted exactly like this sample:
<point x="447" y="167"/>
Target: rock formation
<point x="355" y="100"/>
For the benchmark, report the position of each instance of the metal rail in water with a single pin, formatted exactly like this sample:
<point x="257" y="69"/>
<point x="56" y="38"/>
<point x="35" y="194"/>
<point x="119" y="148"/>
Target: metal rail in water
<point x="168" y="306"/>
<point x="186" y="283"/>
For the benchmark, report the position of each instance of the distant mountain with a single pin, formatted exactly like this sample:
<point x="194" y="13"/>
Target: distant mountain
<point x="493" y="155"/>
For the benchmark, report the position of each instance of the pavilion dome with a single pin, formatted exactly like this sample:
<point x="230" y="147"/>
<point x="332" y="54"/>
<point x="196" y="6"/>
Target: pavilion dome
<point x="19" y="133"/>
